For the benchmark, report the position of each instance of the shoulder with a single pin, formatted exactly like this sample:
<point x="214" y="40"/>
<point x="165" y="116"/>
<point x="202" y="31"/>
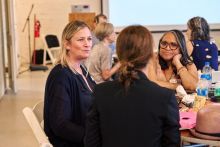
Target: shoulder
<point x="165" y="97"/>
<point x="60" y="70"/>
<point x="102" y="47"/>
<point x="203" y="43"/>
<point x="107" y="85"/>
<point x="61" y="74"/>
<point x="162" y="90"/>
<point x="99" y="45"/>
<point x="155" y="93"/>
<point x="159" y="94"/>
<point x="212" y="43"/>
<point x="98" y="49"/>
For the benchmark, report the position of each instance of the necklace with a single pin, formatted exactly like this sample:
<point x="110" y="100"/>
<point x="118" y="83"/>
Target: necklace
<point x="170" y="77"/>
<point x="75" y="67"/>
<point x="79" y="72"/>
<point x="166" y="75"/>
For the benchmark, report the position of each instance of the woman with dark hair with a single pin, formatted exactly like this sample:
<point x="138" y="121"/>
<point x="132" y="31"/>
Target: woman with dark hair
<point x="133" y="111"/>
<point x="204" y="49"/>
<point x="175" y="66"/>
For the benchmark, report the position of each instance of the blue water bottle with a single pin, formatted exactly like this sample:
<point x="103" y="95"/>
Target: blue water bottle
<point x="202" y="87"/>
<point x="207" y="71"/>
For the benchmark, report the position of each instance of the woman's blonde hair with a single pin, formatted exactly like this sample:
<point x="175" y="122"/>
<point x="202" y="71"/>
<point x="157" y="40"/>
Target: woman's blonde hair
<point x="68" y="32"/>
<point x="103" y="30"/>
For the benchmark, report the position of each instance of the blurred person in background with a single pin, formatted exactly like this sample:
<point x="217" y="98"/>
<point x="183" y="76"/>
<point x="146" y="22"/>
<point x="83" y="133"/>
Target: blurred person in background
<point x="204" y="49"/>
<point x="99" y="63"/>
<point x="100" y="18"/>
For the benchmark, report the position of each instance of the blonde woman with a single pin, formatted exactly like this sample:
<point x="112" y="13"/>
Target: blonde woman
<point x="68" y="89"/>
<point x="99" y="63"/>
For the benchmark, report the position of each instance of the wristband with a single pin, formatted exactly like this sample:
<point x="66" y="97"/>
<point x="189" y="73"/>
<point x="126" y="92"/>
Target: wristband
<point x="181" y="69"/>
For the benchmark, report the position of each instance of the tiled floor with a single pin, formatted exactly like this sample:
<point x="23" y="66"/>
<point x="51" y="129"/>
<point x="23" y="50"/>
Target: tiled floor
<point x="14" y="130"/>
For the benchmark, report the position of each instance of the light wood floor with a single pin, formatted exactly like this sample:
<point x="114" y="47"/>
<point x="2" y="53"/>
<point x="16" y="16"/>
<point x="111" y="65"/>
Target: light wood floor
<point x="14" y="130"/>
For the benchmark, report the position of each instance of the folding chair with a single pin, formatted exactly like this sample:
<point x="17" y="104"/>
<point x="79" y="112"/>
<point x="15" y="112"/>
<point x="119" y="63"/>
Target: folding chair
<point x="34" y="117"/>
<point x="51" y="48"/>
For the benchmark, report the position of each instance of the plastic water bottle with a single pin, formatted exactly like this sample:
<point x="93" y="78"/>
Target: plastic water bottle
<point x="207" y="71"/>
<point x="202" y="87"/>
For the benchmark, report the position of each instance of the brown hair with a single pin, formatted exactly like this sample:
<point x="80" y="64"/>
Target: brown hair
<point x="96" y="19"/>
<point x="134" y="49"/>
<point x="200" y="28"/>
<point x="68" y="32"/>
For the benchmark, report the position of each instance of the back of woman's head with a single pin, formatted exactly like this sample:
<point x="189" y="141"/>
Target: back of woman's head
<point x="103" y="30"/>
<point x="68" y="32"/>
<point x="134" y="49"/>
<point x="199" y="27"/>
<point x="182" y="47"/>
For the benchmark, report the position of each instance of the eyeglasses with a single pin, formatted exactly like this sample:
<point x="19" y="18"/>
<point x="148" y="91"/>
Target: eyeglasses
<point x="172" y="45"/>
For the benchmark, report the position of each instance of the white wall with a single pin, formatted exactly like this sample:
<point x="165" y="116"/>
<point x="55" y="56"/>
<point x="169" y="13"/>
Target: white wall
<point x="53" y="15"/>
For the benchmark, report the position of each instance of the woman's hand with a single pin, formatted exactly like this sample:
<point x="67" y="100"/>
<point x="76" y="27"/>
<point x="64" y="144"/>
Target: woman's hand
<point x="176" y="60"/>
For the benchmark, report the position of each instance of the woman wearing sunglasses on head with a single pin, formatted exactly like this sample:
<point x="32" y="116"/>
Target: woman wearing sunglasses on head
<point x="174" y="64"/>
<point x="204" y="48"/>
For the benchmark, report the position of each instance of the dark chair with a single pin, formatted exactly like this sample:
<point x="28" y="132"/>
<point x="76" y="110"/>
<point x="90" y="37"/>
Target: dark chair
<point x="52" y="47"/>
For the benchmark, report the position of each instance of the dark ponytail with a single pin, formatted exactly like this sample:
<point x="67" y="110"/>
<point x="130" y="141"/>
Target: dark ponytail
<point x="134" y="49"/>
<point x="127" y="74"/>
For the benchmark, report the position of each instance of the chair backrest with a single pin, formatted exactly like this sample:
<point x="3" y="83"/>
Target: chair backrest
<point x="52" y="41"/>
<point x="52" y="48"/>
<point x="33" y="120"/>
<point x="210" y="143"/>
<point x="38" y="111"/>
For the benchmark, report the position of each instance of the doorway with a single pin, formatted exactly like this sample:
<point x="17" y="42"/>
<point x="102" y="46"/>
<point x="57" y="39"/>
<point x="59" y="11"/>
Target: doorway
<point x="7" y="49"/>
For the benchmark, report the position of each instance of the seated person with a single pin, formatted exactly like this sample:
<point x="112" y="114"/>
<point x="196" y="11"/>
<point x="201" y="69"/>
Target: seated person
<point x="100" y="18"/>
<point x="133" y="111"/>
<point x="99" y="62"/>
<point x="204" y="49"/>
<point x="174" y="64"/>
